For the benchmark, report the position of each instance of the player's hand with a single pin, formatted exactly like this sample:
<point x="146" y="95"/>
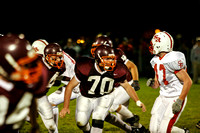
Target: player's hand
<point x="141" y="105"/>
<point x="64" y="111"/>
<point x="176" y="107"/>
<point x="143" y="108"/>
<point x="136" y="85"/>
<point x="150" y="82"/>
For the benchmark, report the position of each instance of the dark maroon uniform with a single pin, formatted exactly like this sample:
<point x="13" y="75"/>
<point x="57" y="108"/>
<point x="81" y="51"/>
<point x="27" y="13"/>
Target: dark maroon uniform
<point x="97" y="84"/>
<point x="16" y="99"/>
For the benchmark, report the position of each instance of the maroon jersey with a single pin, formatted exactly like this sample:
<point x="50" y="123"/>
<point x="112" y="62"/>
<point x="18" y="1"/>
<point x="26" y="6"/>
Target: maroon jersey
<point x="94" y="83"/>
<point x="121" y="57"/>
<point x="53" y="73"/>
<point x="16" y="99"/>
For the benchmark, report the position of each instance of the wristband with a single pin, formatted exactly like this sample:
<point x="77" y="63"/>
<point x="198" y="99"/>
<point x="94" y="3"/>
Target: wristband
<point x="139" y="103"/>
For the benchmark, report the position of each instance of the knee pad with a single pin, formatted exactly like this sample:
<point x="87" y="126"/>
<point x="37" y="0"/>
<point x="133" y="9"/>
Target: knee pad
<point x="97" y="123"/>
<point x="81" y="119"/>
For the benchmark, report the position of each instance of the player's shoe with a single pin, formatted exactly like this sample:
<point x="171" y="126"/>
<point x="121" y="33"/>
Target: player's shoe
<point x="186" y="130"/>
<point x="198" y="125"/>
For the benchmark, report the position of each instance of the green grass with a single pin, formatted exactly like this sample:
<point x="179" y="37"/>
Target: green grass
<point x="189" y="117"/>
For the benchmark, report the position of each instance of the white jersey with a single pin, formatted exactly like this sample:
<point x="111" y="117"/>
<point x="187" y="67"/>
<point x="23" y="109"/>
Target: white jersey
<point x="165" y="69"/>
<point x="69" y="72"/>
<point x="69" y="65"/>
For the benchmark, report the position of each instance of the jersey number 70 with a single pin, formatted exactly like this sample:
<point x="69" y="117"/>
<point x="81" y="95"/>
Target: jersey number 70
<point x="97" y="80"/>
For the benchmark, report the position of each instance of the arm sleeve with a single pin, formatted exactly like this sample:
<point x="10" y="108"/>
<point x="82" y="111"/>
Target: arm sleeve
<point x="177" y="63"/>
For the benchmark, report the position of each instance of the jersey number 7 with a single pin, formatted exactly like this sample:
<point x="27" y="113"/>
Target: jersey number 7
<point x="161" y="68"/>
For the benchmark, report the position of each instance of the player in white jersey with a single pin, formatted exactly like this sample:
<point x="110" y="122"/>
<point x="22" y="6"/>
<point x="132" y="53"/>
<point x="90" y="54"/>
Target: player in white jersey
<point x="57" y="97"/>
<point x="174" y="82"/>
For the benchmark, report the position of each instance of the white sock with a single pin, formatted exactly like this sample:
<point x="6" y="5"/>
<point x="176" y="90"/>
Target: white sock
<point x="177" y="130"/>
<point x="96" y="130"/>
<point x="55" y="114"/>
<point x="125" y="112"/>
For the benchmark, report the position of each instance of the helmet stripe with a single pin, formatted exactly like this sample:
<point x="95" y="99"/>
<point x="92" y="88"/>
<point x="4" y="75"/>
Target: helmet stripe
<point x="42" y="41"/>
<point x="169" y="38"/>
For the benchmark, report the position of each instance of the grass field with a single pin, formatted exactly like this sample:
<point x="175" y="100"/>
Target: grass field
<point x="189" y="117"/>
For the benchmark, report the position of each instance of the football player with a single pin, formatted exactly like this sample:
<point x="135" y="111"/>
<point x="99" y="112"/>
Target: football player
<point x="121" y="100"/>
<point x="23" y="77"/>
<point x="174" y="82"/>
<point x="57" y="97"/>
<point x="60" y="65"/>
<point x="97" y="78"/>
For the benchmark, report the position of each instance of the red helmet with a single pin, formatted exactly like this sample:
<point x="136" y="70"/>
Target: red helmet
<point x="18" y="61"/>
<point x="105" y="57"/>
<point x="54" y="55"/>
<point x="102" y="40"/>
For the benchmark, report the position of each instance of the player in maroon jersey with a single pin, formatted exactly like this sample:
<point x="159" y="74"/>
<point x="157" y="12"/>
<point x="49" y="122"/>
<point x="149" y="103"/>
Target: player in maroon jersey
<point x="121" y="100"/>
<point x="97" y="78"/>
<point x="23" y="77"/>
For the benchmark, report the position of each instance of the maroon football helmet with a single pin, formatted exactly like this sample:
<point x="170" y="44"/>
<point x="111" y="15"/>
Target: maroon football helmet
<point x="54" y="55"/>
<point x="102" y="40"/>
<point x="18" y="61"/>
<point x="105" y="57"/>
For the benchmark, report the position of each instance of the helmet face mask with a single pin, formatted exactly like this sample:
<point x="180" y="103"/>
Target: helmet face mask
<point x="54" y="55"/>
<point x="161" y="42"/>
<point x="108" y="62"/>
<point x="55" y="60"/>
<point x="105" y="58"/>
<point x="29" y="72"/>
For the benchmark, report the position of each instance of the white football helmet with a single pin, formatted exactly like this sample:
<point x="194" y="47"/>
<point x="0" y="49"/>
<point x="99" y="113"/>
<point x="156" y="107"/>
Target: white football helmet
<point x="39" y="46"/>
<point x="161" y="42"/>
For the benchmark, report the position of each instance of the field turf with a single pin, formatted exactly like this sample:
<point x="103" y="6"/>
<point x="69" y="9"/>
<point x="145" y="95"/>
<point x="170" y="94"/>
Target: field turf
<point x="189" y="117"/>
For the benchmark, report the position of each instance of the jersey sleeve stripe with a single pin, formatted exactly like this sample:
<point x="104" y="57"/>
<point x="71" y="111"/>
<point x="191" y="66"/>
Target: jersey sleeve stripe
<point x="72" y="60"/>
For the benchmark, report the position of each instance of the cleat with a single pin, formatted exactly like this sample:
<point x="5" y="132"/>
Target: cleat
<point x="198" y="125"/>
<point x="186" y="130"/>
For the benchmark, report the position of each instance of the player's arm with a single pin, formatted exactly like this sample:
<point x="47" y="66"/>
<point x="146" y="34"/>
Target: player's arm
<point x="131" y="92"/>
<point x="134" y="70"/>
<point x="187" y="83"/>
<point x="72" y="83"/>
<point x="134" y="73"/>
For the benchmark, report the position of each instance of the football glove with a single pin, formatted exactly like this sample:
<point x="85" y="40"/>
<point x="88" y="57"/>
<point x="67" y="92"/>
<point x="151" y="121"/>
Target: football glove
<point x="176" y="107"/>
<point x="136" y="85"/>
<point x="150" y="82"/>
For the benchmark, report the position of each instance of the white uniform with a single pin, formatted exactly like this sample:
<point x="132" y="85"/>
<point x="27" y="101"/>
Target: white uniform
<point x="57" y="97"/>
<point x="165" y="68"/>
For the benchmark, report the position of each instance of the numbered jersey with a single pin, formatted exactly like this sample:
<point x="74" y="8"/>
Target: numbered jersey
<point x="67" y="70"/>
<point x="120" y="56"/>
<point x="94" y="83"/>
<point x="16" y="99"/>
<point x="165" y="69"/>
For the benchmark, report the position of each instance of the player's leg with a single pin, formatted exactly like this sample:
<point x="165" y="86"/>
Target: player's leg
<point x="114" y="120"/>
<point x="121" y="98"/>
<point x="156" y="115"/>
<point x="84" y="107"/>
<point x="169" y="119"/>
<point x="46" y="113"/>
<point x="102" y="106"/>
<point x="56" y="98"/>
